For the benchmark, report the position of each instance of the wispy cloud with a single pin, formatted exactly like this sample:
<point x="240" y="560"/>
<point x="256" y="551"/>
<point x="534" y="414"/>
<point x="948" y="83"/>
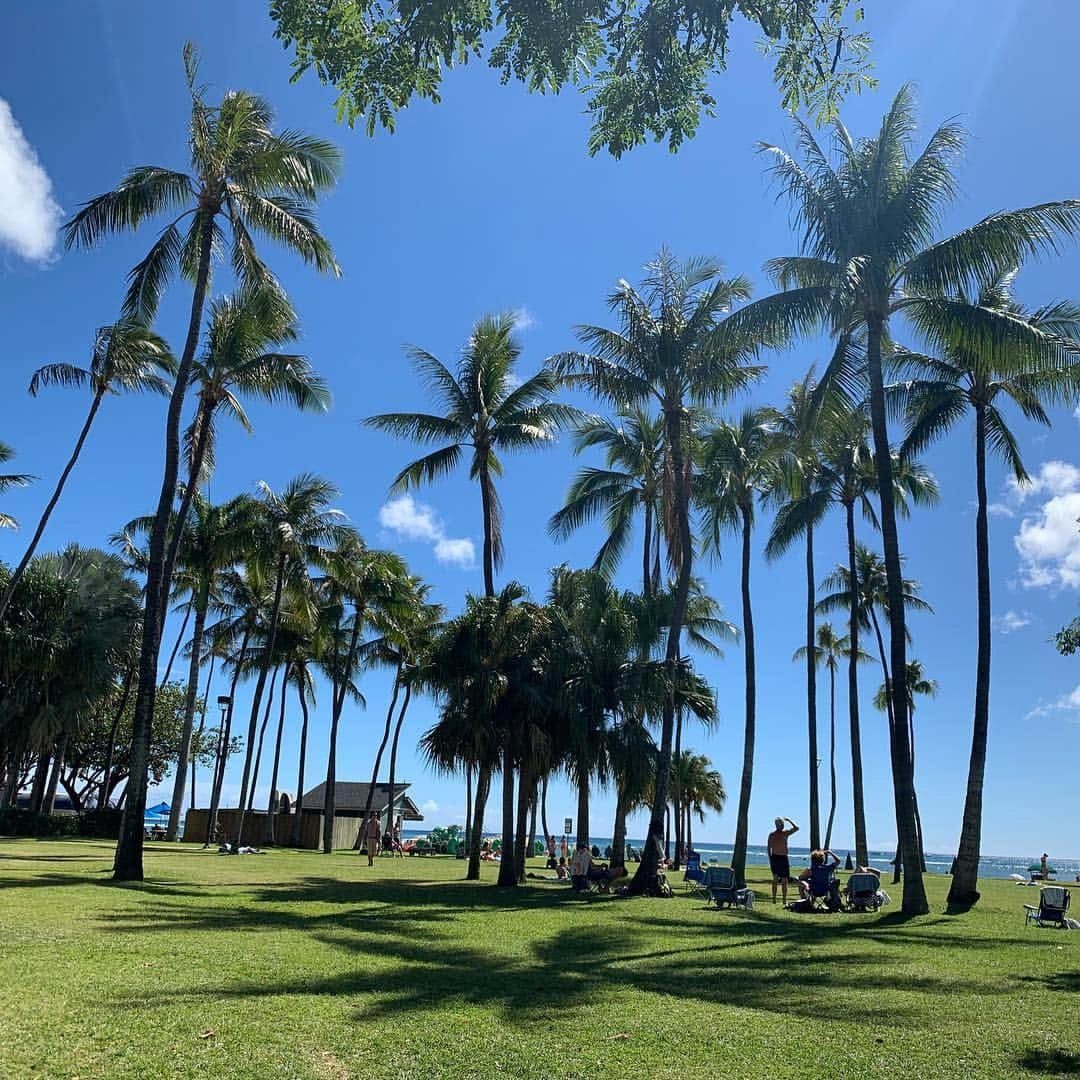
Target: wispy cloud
<point x="408" y="519"/>
<point x="1011" y="621"/>
<point x="29" y="216"/>
<point x="1068" y="705"/>
<point x="430" y="807"/>
<point x="524" y="319"/>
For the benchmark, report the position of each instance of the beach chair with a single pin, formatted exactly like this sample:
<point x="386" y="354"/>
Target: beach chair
<point x="1053" y="904"/>
<point x="864" y="892"/>
<point x="824" y="889"/>
<point x="694" y="876"/>
<point x="720" y="888"/>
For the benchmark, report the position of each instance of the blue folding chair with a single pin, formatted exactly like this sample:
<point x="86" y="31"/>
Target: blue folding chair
<point x="1053" y="904"/>
<point x="694" y="876"/>
<point x="824" y="888"/>
<point x="722" y="889"/>
<point x="864" y="892"/>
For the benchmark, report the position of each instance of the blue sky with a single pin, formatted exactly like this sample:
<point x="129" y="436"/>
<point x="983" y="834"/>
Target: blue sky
<point x="489" y="202"/>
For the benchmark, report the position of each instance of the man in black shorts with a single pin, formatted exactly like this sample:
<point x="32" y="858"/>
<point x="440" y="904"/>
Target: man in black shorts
<point x="778" y="856"/>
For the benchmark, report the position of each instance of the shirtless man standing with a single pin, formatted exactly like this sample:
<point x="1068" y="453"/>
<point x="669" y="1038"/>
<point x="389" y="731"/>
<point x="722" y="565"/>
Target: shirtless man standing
<point x="778" y="856"/>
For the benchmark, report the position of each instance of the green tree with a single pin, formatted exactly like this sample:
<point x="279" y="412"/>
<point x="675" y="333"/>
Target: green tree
<point x="484" y="409"/>
<point x="702" y="789"/>
<point x="675" y="349"/>
<point x="252" y="180"/>
<point x="10" y="480"/>
<point x="868" y="222"/>
<point x="647" y="68"/>
<point x="738" y="468"/>
<point x="126" y="357"/>
<point x="1032" y="369"/>
<point x="631" y="481"/>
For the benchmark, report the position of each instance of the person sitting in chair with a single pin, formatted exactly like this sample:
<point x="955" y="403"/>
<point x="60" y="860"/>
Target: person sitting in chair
<point x="817" y="859"/>
<point x="580" y="865"/>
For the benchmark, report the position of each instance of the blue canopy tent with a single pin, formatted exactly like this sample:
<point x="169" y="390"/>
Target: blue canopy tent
<point x="157" y="815"/>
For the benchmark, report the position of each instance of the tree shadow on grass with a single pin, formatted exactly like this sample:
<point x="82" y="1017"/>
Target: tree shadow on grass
<point x="1050" y="1062"/>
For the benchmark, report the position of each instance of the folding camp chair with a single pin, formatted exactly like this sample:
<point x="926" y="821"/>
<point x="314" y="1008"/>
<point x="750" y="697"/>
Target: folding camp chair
<point x="864" y="892"/>
<point x="694" y="876"/>
<point x="1053" y="903"/>
<point x="722" y="890"/>
<point x="824" y="888"/>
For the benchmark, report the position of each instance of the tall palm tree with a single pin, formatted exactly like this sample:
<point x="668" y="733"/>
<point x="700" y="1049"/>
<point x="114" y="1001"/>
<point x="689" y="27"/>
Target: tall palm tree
<point x="702" y="788"/>
<point x="126" y="357"/>
<point x="674" y="349"/>
<point x="632" y="480"/>
<point x="918" y="685"/>
<point x="829" y="650"/>
<point x="10" y="480"/>
<point x="1033" y="370"/>
<point x="868" y="221"/>
<point x="212" y="540"/>
<point x="252" y="180"/>
<point x="739" y="464"/>
<point x="298" y="528"/>
<point x="804" y="501"/>
<point x="483" y="409"/>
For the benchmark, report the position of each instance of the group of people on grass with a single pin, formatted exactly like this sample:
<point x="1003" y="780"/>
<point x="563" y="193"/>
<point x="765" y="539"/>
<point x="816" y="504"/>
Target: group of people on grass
<point x="780" y="865"/>
<point x="374" y="840"/>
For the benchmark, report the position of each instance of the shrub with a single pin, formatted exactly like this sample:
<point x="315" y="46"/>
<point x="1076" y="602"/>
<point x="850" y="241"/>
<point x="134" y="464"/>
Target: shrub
<point x="15" y="821"/>
<point x="103" y="823"/>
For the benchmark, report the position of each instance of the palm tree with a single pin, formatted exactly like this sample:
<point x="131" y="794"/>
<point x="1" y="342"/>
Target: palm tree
<point x="211" y="541"/>
<point x="868" y="223"/>
<point x="830" y="650"/>
<point x="702" y="788"/>
<point x="297" y="529"/>
<point x="10" y="480"/>
<point x="632" y="480"/>
<point x="126" y="357"/>
<point x="738" y="466"/>
<point x="917" y="684"/>
<point x="675" y="348"/>
<point x="631" y="753"/>
<point x="1032" y="370"/>
<point x="804" y="501"/>
<point x="483" y="409"/>
<point x="253" y="180"/>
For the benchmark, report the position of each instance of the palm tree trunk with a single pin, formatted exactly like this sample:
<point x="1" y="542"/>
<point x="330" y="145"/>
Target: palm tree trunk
<point x="223" y="743"/>
<point x="393" y="758"/>
<point x="832" y="755"/>
<point x="646" y="556"/>
<point x="176" y="648"/>
<point x="862" y="854"/>
<point x="483" y="786"/>
<point x="531" y="846"/>
<point x="260" y="685"/>
<point x="298" y="807"/>
<point x="914" y="894"/>
<point x="41" y="778"/>
<point x="330" y="800"/>
<point x="128" y="864"/>
<point x="543" y="807"/>
<point x="110" y="747"/>
<point x="676" y="790"/>
<point x="507" y="863"/>
<point x="689" y="818"/>
<point x="521" y="823"/>
<point x="618" y="832"/>
<point x="202" y="722"/>
<point x="887" y="683"/>
<point x="811" y="691"/>
<point x="262" y="738"/>
<point x="742" y="819"/>
<point x="190" y="701"/>
<point x="487" y="502"/>
<point x="20" y="570"/>
<point x="582" y="805"/>
<point x="667" y="832"/>
<point x="54" y="779"/>
<point x="645" y="878"/>
<point x="378" y="756"/>
<point x="468" y="808"/>
<point x="273" y="802"/>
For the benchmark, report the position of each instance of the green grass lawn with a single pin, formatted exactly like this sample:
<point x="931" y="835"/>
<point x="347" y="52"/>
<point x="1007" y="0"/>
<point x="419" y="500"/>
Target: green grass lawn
<point x="303" y="965"/>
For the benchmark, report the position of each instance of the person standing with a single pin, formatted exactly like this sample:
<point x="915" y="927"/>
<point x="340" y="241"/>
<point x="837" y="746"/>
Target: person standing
<point x="397" y="848"/>
<point x="580" y="865"/>
<point x="1044" y="866"/>
<point x="778" y="856"/>
<point x="372" y="837"/>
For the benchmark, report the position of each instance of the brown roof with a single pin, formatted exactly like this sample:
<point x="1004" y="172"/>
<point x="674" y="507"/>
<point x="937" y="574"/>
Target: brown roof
<point x="352" y="797"/>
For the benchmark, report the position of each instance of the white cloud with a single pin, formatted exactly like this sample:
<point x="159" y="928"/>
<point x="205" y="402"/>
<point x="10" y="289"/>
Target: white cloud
<point x="524" y="319"/>
<point x="29" y="216"/>
<point x="408" y="519"/>
<point x="1048" y="539"/>
<point x="1076" y="412"/>
<point x="1012" y="621"/>
<point x="430" y="807"/>
<point x="1068" y="704"/>
<point x="1000" y="509"/>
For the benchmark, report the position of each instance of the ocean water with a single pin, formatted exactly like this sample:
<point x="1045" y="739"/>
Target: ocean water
<point x="990" y="866"/>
